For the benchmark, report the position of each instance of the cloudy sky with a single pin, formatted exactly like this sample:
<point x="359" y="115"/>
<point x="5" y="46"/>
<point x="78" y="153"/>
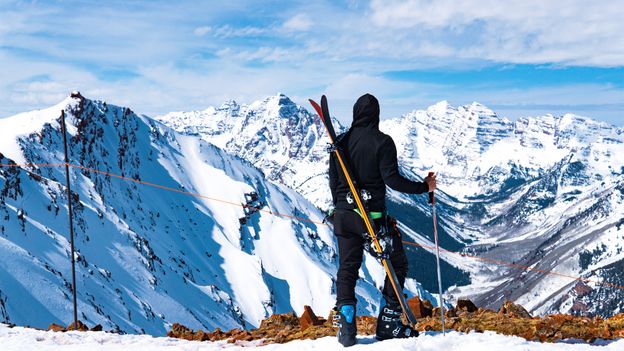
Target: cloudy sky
<point x="519" y="57"/>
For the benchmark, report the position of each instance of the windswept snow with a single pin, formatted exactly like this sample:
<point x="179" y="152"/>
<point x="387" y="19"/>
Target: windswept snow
<point x="19" y="339"/>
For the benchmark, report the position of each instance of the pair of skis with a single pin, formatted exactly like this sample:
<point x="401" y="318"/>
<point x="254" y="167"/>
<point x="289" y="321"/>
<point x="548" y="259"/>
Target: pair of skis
<point x="323" y="112"/>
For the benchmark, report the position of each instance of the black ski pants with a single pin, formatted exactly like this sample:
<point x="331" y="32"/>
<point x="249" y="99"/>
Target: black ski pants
<point x="348" y="228"/>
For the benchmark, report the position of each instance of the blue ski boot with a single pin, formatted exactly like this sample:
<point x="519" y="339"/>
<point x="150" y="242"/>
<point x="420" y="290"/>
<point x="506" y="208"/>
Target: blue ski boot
<point x="345" y="320"/>
<point x="389" y="324"/>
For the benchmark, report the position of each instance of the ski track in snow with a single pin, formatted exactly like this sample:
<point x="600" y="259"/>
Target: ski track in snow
<point x="18" y="338"/>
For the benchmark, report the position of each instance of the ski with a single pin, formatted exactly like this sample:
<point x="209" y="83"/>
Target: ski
<point x="323" y="112"/>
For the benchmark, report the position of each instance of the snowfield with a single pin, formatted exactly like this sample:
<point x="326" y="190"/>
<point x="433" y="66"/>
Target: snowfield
<point x="19" y="338"/>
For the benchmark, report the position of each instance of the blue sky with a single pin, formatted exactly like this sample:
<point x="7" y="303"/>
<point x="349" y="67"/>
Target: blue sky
<point x="519" y="58"/>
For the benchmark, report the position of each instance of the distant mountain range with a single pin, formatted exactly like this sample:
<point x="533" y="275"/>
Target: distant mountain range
<point x="544" y="192"/>
<point x="541" y="192"/>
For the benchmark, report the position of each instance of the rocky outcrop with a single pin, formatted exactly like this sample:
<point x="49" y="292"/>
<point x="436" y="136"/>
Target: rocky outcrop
<point x="79" y="326"/>
<point x="511" y="319"/>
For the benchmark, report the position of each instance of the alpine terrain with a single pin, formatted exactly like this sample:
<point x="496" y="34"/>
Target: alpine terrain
<point x="168" y="228"/>
<point x="539" y="201"/>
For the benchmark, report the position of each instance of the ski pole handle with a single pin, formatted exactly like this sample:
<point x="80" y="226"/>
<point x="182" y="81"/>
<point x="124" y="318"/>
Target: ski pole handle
<point x="431" y="195"/>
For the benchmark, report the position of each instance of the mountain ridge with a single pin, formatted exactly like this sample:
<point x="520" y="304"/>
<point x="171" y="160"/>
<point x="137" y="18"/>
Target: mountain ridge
<point x="497" y="180"/>
<point x="146" y="256"/>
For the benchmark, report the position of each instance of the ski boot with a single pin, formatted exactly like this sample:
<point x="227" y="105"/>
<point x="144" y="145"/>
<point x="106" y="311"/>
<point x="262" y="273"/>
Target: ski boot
<point x="389" y="324"/>
<point x="345" y="320"/>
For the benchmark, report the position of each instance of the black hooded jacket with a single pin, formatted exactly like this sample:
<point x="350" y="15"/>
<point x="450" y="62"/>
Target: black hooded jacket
<point x="372" y="158"/>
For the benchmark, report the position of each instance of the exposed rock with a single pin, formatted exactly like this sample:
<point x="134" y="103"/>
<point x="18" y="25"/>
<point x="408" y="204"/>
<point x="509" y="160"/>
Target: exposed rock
<point x="466" y="305"/>
<point x="582" y="289"/>
<point x="55" y="327"/>
<point x="513" y="310"/>
<point x="509" y="321"/>
<point x="182" y="332"/>
<point x="308" y="318"/>
<point x="79" y="326"/>
<point x="421" y="308"/>
<point x="98" y="327"/>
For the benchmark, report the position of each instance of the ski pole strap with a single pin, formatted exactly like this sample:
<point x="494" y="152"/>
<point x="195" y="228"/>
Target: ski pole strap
<point x="374" y="215"/>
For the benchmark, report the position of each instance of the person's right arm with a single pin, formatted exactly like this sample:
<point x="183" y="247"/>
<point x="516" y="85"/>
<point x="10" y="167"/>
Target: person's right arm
<point x="389" y="168"/>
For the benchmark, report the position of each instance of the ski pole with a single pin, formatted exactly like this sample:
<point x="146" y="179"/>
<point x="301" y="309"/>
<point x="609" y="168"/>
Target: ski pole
<point x="435" y="236"/>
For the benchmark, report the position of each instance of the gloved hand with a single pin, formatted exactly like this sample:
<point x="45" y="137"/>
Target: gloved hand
<point x="431" y="182"/>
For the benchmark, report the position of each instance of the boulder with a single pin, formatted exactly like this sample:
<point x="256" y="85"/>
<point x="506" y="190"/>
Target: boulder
<point x="466" y="305"/>
<point x="78" y="326"/>
<point x="420" y="308"/>
<point x="512" y="310"/>
<point x="308" y="318"/>
<point x="56" y="328"/>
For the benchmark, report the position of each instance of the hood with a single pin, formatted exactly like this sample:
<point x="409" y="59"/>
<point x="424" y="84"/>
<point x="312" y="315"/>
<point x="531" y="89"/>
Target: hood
<point x="366" y="112"/>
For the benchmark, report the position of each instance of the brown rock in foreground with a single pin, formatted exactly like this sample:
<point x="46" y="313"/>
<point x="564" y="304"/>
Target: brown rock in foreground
<point x="56" y="328"/>
<point x="78" y="326"/>
<point x="513" y="310"/>
<point x="308" y="318"/>
<point x="81" y="327"/>
<point x="466" y="317"/>
<point x="466" y="305"/>
<point x="421" y="308"/>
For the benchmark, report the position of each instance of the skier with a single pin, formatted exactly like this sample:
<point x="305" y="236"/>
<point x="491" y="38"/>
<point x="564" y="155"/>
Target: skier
<point x="373" y="158"/>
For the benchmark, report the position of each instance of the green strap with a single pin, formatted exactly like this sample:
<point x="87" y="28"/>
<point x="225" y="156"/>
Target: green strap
<point x="374" y="215"/>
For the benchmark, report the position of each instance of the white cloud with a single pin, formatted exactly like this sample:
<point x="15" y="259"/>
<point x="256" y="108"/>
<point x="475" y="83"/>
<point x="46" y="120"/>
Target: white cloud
<point x="299" y="22"/>
<point x="343" y="53"/>
<point x="263" y="54"/>
<point x="574" y="32"/>
<point x="201" y="31"/>
<point x="227" y="31"/>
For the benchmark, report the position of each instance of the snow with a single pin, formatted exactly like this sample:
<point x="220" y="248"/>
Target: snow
<point x="151" y="257"/>
<point x="214" y="273"/>
<point x="476" y="153"/>
<point x="18" y="338"/>
<point x="22" y="124"/>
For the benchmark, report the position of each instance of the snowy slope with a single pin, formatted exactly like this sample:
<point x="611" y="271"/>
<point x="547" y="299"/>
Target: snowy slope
<point x="17" y="339"/>
<point x="281" y="138"/>
<point x="541" y="192"/>
<point x="147" y="256"/>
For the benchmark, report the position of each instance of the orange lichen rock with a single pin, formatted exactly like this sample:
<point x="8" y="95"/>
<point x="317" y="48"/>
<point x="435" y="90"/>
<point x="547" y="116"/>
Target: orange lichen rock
<point x="421" y="308"/>
<point x="511" y="319"/>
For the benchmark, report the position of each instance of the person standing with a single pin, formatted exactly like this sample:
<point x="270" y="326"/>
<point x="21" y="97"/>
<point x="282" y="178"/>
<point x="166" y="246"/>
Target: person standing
<point x="373" y="158"/>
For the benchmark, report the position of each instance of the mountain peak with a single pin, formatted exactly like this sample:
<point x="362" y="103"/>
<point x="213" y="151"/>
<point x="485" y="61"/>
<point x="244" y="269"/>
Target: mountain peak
<point x="479" y="109"/>
<point x="76" y="94"/>
<point x="26" y="123"/>
<point x="229" y="105"/>
<point x="440" y="107"/>
<point x="281" y="100"/>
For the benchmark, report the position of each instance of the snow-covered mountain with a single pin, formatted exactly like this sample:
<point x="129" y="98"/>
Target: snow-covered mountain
<point x="158" y="228"/>
<point x="542" y="192"/>
<point x="281" y="138"/>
